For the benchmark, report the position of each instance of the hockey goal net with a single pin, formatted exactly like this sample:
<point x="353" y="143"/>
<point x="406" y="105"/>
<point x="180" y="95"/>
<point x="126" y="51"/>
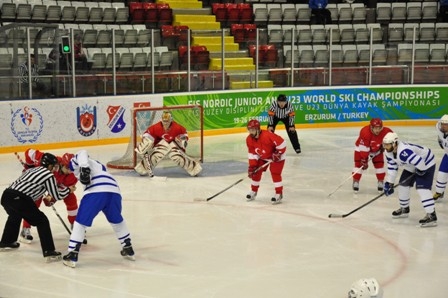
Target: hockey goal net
<point x="189" y="116"/>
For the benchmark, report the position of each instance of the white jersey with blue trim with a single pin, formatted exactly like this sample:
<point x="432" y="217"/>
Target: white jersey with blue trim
<point x="101" y="180"/>
<point x="410" y="157"/>
<point x="442" y="138"/>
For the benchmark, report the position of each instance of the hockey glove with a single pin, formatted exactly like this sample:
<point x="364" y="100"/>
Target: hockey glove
<point x="276" y="156"/>
<point x="388" y="188"/>
<point x="440" y="142"/>
<point x="251" y="171"/>
<point x="168" y="138"/>
<point x="364" y="164"/>
<point x="420" y="172"/>
<point x="49" y="201"/>
<point x="84" y="176"/>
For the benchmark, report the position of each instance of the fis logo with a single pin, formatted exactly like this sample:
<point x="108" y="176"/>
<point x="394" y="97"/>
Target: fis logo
<point x="86" y="123"/>
<point x="116" y="122"/>
<point x="27" y="124"/>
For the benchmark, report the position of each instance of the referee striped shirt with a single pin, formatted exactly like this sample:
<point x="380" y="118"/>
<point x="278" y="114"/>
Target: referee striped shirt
<point x="281" y="113"/>
<point x="36" y="181"/>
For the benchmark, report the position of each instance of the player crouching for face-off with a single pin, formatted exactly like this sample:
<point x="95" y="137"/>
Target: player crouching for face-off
<point x="418" y="167"/>
<point x="368" y="147"/>
<point x="165" y="138"/>
<point x="264" y="146"/>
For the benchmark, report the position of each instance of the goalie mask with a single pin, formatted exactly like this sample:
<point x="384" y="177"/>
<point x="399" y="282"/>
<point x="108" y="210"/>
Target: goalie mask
<point x="365" y="288"/>
<point x="167" y="118"/>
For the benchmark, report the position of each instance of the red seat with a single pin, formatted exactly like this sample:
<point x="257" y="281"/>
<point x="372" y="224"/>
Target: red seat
<point x="220" y="11"/>
<point x="165" y="14"/>
<point x="270" y="55"/>
<point x="151" y="14"/>
<point x="183" y="57"/>
<point x="250" y="31"/>
<point x="233" y="13"/>
<point x="238" y="32"/>
<point x="182" y="31"/>
<point x="246" y="13"/>
<point x="134" y="5"/>
<point x="136" y="13"/>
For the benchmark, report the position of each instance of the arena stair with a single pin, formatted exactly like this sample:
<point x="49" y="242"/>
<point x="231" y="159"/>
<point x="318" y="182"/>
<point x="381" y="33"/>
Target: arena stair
<point x="178" y="4"/>
<point x="197" y="22"/>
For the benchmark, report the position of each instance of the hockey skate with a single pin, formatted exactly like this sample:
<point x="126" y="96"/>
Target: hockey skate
<point x="52" y="256"/>
<point x="298" y="151"/>
<point x="25" y="236"/>
<point x="430" y="220"/>
<point x="401" y="212"/>
<point x="355" y="186"/>
<point x="438" y="196"/>
<point x="251" y="196"/>
<point x="70" y="259"/>
<point x="9" y="246"/>
<point x="127" y="252"/>
<point x="380" y="186"/>
<point x="276" y="199"/>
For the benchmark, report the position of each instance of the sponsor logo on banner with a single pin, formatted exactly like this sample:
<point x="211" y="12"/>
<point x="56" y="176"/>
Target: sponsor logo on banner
<point x="116" y="122"/>
<point x="27" y="124"/>
<point x="86" y="123"/>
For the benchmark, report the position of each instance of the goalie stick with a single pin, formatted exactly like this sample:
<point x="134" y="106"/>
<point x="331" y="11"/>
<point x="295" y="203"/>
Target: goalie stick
<point x="232" y="185"/>
<point x="333" y="215"/>
<point x="54" y="209"/>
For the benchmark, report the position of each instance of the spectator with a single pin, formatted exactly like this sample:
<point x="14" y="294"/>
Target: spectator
<point x="80" y="55"/>
<point x="321" y="14"/>
<point x="37" y="85"/>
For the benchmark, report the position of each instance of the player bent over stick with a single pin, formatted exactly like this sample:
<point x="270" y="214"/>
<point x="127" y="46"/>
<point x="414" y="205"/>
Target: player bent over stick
<point x="165" y="138"/>
<point x="101" y="194"/>
<point x="418" y="162"/>
<point x="263" y="146"/>
<point x="32" y="159"/>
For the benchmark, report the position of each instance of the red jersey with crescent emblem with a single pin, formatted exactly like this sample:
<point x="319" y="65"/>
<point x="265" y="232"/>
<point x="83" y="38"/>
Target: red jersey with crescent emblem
<point x="157" y="131"/>
<point x="32" y="158"/>
<point x="263" y="147"/>
<point x="368" y="142"/>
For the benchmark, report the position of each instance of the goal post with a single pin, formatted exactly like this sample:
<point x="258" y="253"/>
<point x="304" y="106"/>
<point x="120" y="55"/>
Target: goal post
<point x="189" y="116"/>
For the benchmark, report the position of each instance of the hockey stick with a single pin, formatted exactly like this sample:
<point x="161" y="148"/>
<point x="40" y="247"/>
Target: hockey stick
<point x="20" y="159"/>
<point x="232" y="185"/>
<point x="352" y="175"/>
<point x="333" y="215"/>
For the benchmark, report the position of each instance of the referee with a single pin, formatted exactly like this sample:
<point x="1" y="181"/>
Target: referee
<point x="282" y="110"/>
<point x="18" y="201"/>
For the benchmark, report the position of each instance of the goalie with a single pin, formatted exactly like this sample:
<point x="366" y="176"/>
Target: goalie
<point x="165" y="138"/>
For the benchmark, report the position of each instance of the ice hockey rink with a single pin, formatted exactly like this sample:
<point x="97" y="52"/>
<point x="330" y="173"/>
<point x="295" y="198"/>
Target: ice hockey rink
<point x="228" y="247"/>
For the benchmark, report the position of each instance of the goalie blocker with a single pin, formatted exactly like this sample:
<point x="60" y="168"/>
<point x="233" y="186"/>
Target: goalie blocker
<point x="174" y="151"/>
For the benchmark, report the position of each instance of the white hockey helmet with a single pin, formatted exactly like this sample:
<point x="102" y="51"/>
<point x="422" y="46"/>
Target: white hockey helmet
<point x="365" y="288"/>
<point x="444" y="119"/>
<point x="390" y="138"/>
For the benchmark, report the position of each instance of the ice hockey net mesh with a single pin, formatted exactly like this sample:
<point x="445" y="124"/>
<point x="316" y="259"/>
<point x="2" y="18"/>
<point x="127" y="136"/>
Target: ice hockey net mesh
<point x="189" y="116"/>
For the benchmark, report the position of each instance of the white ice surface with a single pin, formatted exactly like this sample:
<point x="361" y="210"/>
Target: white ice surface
<point x="228" y="247"/>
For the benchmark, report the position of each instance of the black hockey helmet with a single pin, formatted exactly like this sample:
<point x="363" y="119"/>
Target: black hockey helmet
<point x="282" y="97"/>
<point x="48" y="159"/>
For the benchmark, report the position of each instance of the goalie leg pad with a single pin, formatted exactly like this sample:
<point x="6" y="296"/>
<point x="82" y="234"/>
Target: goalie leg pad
<point x="184" y="161"/>
<point x="144" y="146"/>
<point x="158" y="153"/>
<point x="140" y="169"/>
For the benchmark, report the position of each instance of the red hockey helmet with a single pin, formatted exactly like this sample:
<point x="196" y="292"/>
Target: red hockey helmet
<point x="253" y="124"/>
<point x="65" y="159"/>
<point x="376" y="122"/>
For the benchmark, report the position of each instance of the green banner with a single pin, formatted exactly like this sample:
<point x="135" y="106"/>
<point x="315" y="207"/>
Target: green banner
<point x="321" y="105"/>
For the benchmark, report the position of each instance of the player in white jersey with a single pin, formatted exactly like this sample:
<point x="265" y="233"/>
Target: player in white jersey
<point x="419" y="165"/>
<point x="101" y="194"/>
<point x="442" y="175"/>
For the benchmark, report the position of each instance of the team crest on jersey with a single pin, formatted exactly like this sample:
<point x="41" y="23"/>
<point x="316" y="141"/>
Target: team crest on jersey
<point x="27" y="124"/>
<point x="116" y="122"/>
<point x="86" y="123"/>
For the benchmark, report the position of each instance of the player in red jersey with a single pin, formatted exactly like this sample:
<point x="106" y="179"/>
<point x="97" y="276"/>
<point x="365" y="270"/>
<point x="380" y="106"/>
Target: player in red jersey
<point x="165" y="138"/>
<point x="264" y="146"/>
<point x="32" y="159"/>
<point x="369" y="146"/>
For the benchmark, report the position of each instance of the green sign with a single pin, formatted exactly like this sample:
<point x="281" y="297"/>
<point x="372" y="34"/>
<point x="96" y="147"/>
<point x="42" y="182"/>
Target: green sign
<point x="321" y="105"/>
